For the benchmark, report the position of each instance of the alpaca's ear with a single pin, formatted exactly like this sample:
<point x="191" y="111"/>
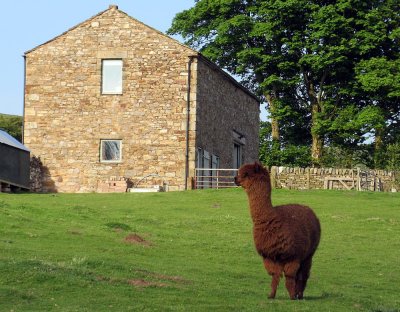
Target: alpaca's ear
<point x="257" y="167"/>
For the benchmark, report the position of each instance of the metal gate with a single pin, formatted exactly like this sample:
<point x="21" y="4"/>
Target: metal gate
<point x="214" y="178"/>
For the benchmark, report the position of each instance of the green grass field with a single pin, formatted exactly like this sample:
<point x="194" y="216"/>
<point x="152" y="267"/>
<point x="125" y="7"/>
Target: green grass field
<point x="189" y="251"/>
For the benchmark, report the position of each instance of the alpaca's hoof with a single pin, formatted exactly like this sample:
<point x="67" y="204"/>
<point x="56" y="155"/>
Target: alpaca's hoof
<point x="271" y="296"/>
<point x="297" y="297"/>
<point x="300" y="296"/>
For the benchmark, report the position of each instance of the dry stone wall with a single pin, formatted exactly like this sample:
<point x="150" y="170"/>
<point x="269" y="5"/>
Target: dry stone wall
<point x="332" y="178"/>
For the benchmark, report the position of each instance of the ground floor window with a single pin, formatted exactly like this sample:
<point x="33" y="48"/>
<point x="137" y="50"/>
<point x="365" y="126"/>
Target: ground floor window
<point x="207" y="160"/>
<point x="237" y="155"/>
<point x="214" y="162"/>
<point x="239" y="141"/>
<point x="205" y="176"/>
<point x="111" y="150"/>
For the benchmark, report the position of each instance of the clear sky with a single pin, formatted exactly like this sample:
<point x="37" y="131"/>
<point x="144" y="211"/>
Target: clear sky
<point x="24" y="24"/>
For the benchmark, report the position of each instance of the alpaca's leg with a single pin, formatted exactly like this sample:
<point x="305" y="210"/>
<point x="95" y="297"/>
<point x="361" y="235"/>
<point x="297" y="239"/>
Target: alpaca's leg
<point x="290" y="269"/>
<point x="302" y="276"/>
<point x="275" y="270"/>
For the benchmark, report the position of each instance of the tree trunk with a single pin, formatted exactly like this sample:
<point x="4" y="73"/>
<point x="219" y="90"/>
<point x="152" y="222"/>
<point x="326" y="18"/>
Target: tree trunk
<point x="275" y="133"/>
<point x="316" y="108"/>
<point x="378" y="152"/>
<point x="316" y="149"/>
<point x="317" y="139"/>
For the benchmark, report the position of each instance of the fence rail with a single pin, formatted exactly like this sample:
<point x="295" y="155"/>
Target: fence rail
<point x="303" y="178"/>
<point x="214" y="178"/>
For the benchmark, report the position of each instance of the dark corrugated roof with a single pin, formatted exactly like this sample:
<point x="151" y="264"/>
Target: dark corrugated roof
<point x="7" y="139"/>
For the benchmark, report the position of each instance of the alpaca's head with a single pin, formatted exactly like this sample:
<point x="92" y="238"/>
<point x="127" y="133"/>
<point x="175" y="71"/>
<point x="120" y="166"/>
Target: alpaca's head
<point x="249" y="174"/>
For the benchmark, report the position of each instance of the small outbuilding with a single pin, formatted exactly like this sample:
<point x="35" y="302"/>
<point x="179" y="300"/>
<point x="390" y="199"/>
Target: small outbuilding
<point x="14" y="163"/>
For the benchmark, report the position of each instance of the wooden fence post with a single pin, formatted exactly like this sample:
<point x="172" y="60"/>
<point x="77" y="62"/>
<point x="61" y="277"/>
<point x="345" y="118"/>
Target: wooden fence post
<point x="273" y="176"/>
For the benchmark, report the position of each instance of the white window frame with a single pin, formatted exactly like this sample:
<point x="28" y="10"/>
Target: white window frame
<point x="113" y="78"/>
<point x="103" y="145"/>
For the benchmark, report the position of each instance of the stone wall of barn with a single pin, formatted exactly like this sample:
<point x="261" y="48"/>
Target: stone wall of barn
<point x="66" y="114"/>
<point x="226" y="115"/>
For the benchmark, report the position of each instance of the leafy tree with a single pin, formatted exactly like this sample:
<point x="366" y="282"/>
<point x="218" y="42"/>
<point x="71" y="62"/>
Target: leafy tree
<point x="12" y="125"/>
<point x="377" y="72"/>
<point x="238" y="36"/>
<point x="393" y="157"/>
<point x="272" y="155"/>
<point x="344" y="157"/>
<point x="307" y="59"/>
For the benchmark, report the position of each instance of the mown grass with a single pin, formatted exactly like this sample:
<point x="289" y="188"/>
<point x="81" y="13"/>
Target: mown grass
<point x="189" y="251"/>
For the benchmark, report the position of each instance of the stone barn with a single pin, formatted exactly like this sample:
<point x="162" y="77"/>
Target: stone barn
<point x="14" y="163"/>
<point x="112" y="103"/>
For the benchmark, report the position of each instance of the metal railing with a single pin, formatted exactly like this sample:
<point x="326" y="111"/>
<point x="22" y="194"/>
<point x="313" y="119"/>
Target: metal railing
<point x="214" y="178"/>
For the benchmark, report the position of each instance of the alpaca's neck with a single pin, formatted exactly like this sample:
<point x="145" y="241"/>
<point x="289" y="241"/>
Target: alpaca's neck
<point x="260" y="203"/>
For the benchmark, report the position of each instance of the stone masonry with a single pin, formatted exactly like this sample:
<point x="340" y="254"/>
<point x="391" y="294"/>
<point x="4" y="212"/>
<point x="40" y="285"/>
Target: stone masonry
<point x="217" y="124"/>
<point x="338" y="178"/>
<point x="66" y="115"/>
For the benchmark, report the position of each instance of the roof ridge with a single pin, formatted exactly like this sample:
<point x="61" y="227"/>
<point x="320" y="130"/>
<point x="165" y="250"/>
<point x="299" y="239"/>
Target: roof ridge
<point x="195" y="53"/>
<point x="111" y="7"/>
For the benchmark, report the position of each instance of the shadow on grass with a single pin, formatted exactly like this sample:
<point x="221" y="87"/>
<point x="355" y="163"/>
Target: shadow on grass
<point x="324" y="295"/>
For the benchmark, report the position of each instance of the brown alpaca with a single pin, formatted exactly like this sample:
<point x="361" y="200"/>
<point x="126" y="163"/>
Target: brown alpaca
<point x="285" y="236"/>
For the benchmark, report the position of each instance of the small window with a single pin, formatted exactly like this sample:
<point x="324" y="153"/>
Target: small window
<point x="110" y="150"/>
<point x="206" y="175"/>
<point x="111" y="77"/>
<point x="215" y="162"/>
<point x="200" y="159"/>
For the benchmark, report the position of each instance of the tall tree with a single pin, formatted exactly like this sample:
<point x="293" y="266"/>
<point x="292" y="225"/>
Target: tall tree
<point x="301" y="57"/>
<point x="238" y="35"/>
<point x="378" y="71"/>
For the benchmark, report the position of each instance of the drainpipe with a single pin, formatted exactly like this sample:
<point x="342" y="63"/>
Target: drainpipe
<point x="191" y="58"/>
<point x="23" y="111"/>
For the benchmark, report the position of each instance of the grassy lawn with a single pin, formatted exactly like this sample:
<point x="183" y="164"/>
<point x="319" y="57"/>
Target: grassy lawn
<point x="189" y="251"/>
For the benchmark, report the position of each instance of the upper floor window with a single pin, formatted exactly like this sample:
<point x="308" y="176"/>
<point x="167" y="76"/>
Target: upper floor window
<point x="110" y="150"/>
<point x="111" y="76"/>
